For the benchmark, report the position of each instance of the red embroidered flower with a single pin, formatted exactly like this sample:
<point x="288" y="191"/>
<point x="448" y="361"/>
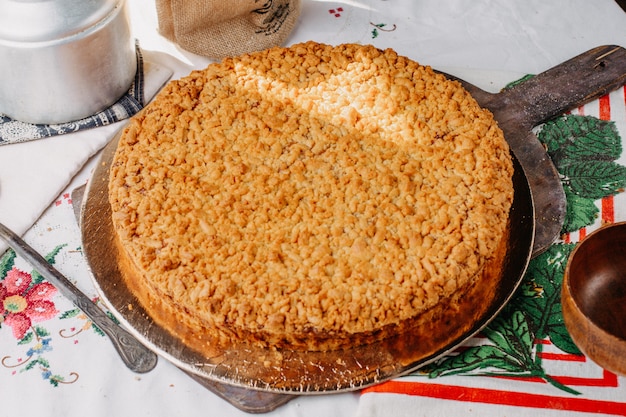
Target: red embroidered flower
<point x="23" y="305"/>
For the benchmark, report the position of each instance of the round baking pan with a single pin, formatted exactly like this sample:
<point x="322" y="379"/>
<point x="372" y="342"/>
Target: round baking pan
<point x="297" y="372"/>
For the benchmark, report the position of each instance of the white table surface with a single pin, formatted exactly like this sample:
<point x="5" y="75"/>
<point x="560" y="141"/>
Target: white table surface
<point x="488" y="42"/>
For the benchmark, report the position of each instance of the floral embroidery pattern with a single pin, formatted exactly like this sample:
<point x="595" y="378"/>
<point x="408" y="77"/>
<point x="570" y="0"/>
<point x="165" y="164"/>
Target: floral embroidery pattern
<point x="336" y="12"/>
<point x="381" y="27"/>
<point x="88" y="323"/>
<point x="25" y="301"/>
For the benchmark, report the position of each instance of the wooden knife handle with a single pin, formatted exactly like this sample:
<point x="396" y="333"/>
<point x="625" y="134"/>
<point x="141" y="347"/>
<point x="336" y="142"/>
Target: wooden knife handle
<point x="573" y="83"/>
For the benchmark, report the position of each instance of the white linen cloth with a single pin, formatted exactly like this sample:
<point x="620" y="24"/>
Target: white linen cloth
<point x="483" y="41"/>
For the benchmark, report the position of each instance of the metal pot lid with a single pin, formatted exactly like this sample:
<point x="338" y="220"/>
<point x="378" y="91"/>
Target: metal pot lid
<point x="36" y="21"/>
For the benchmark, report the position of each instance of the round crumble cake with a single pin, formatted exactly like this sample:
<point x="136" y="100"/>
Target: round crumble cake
<point x="309" y="197"/>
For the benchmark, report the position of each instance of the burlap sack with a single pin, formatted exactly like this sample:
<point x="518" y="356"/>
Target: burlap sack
<point x="223" y="28"/>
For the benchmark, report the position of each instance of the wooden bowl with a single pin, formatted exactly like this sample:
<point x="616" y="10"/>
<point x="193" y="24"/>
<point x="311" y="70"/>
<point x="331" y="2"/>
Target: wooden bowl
<point x="593" y="297"/>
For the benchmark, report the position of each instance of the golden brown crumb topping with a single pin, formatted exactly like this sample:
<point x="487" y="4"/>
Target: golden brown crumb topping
<point x="311" y="188"/>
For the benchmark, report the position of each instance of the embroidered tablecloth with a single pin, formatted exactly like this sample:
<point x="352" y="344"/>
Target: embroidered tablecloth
<point x="54" y="361"/>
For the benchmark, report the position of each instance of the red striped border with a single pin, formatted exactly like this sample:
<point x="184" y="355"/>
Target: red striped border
<point x="608" y="209"/>
<point x="498" y="397"/>
<point x="608" y="380"/>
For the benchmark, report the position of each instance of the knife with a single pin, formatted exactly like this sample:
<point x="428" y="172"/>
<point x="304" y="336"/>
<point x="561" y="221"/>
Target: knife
<point x="136" y="356"/>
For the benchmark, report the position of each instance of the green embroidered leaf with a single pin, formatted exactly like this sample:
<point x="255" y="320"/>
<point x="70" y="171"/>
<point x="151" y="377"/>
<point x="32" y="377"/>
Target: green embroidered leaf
<point x="498" y="336"/>
<point x="534" y="307"/>
<point x="517" y="338"/>
<point x="70" y="313"/>
<point x="97" y="330"/>
<point x="511" y="352"/>
<point x="584" y="150"/>
<point x="30" y="365"/>
<point x="544" y="311"/>
<point x="41" y="332"/>
<point x="52" y="255"/>
<point x="28" y="337"/>
<point x="559" y="336"/>
<point x="581" y="212"/>
<point x="6" y="263"/>
<point x="476" y="357"/>
<point x="542" y="271"/>
<point x="37" y="278"/>
<point x="374" y="33"/>
<point x="594" y="179"/>
<point x="112" y="317"/>
<point x="572" y="139"/>
<point x="37" y="361"/>
<point x="521" y="80"/>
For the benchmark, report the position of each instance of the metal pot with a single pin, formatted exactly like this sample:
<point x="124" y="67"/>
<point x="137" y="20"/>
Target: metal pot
<point x="63" y="60"/>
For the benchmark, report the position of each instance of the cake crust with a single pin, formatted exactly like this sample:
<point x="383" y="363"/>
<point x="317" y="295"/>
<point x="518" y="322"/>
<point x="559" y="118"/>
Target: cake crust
<point x="309" y="197"/>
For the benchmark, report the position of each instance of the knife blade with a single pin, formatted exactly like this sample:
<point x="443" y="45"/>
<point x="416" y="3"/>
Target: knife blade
<point x="137" y="357"/>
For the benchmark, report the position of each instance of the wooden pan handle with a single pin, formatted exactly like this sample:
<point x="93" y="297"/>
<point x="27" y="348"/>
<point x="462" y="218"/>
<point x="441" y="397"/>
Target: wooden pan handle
<point x="575" y="82"/>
